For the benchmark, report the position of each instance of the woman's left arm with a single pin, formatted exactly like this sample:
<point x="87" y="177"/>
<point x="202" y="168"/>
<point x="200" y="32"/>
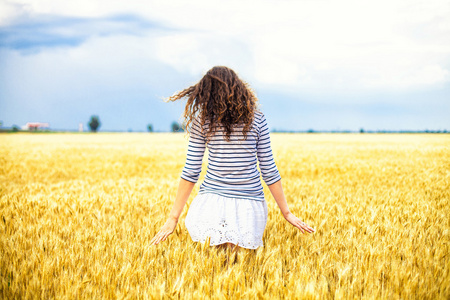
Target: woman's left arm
<point x="189" y="176"/>
<point x="184" y="191"/>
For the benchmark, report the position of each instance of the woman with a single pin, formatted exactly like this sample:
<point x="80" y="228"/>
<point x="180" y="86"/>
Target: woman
<point x="221" y="114"/>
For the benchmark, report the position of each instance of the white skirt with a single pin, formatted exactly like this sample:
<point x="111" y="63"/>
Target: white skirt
<point x="227" y="220"/>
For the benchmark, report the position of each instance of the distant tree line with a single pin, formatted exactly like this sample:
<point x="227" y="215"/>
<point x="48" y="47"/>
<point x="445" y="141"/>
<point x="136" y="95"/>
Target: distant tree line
<point x="360" y="131"/>
<point x="94" y="125"/>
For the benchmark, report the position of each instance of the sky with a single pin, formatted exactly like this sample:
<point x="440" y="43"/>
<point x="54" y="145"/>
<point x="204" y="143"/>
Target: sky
<point x="314" y="64"/>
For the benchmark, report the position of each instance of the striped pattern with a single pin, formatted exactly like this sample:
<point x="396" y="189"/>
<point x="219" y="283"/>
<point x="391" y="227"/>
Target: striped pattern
<point x="232" y="166"/>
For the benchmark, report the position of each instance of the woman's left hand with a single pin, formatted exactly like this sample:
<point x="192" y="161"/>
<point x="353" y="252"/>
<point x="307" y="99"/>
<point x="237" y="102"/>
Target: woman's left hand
<point x="165" y="231"/>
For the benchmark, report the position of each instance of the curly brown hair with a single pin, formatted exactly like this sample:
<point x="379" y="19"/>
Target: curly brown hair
<point x="220" y="98"/>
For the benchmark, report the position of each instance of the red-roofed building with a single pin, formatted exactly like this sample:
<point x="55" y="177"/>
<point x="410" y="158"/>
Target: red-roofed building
<point x="36" y="126"/>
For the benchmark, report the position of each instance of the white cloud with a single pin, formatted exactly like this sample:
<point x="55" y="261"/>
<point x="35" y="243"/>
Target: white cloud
<point x="195" y="52"/>
<point x="412" y="78"/>
<point x="345" y="45"/>
<point x="336" y="46"/>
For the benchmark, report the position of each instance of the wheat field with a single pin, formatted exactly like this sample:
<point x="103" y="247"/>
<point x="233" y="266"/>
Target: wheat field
<point x="78" y="212"/>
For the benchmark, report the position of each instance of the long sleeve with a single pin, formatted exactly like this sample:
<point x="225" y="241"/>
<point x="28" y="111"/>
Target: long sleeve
<point x="269" y="170"/>
<point x="196" y="150"/>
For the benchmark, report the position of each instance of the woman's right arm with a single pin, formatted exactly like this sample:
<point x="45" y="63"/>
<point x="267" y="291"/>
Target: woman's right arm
<point x="271" y="176"/>
<point x="277" y="192"/>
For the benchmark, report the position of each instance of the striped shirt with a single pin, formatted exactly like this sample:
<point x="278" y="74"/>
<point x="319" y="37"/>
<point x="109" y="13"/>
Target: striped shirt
<point x="232" y="166"/>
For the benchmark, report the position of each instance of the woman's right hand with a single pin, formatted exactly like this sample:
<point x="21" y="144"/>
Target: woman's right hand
<point x="296" y="222"/>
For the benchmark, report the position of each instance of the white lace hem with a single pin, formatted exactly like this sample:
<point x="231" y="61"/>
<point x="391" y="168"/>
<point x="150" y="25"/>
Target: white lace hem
<point x="227" y="220"/>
